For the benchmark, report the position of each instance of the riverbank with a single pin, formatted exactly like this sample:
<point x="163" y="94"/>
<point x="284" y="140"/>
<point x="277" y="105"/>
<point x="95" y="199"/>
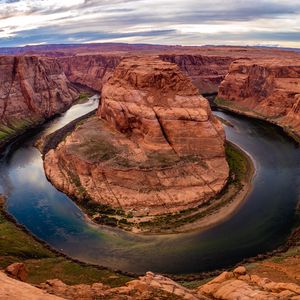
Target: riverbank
<point x="239" y="109"/>
<point x="42" y="262"/>
<point x="23" y="128"/>
<point x="216" y="210"/>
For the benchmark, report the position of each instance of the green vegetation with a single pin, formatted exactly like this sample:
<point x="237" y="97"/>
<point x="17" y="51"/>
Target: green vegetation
<point x="83" y="97"/>
<point x="43" y="264"/>
<point x="238" y="163"/>
<point x="3" y="135"/>
<point x="98" y="150"/>
<point x="15" y="127"/>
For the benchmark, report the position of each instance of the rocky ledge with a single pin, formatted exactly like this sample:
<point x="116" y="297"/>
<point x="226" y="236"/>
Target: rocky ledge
<point x="235" y="285"/>
<point x="265" y="88"/>
<point x="153" y="148"/>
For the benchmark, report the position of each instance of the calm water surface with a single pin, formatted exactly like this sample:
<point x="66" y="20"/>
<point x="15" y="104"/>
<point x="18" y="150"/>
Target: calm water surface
<point x="262" y="223"/>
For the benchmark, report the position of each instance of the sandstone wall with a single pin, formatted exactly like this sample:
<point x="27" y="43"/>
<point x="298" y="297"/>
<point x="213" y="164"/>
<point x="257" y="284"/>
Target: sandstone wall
<point x="32" y="89"/>
<point x="92" y="70"/>
<point x="266" y="88"/>
<point x="206" y="72"/>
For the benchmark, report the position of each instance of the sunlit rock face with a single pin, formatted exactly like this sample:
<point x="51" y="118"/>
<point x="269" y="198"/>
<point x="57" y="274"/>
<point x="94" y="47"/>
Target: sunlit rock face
<point x="89" y="70"/>
<point x="154" y="146"/>
<point x="266" y="88"/>
<point x="32" y="89"/>
<point x="154" y="103"/>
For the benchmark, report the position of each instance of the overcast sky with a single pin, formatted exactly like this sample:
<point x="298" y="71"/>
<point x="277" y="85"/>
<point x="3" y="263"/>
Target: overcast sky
<point x="184" y="22"/>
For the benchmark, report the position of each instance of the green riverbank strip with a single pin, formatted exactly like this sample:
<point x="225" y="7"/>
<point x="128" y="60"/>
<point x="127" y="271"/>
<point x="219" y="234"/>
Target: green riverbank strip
<point x="42" y="264"/>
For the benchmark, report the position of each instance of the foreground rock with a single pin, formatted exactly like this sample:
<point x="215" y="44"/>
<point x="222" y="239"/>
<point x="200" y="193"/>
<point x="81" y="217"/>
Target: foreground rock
<point x="240" y="285"/>
<point x="14" y="289"/>
<point x="147" y="287"/>
<point x="18" y="271"/>
<point x="32" y="89"/>
<point x="235" y="285"/>
<point x="155" y="147"/>
<point x="265" y="88"/>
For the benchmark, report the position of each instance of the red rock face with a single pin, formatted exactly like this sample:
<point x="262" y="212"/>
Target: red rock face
<point x="206" y="72"/>
<point x="32" y="89"/>
<point x="89" y="70"/>
<point x="266" y="88"/>
<point x="153" y="102"/>
<point x="155" y="147"/>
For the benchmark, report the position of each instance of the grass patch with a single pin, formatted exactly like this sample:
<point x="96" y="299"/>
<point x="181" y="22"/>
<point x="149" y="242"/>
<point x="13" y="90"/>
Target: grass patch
<point x="97" y="151"/>
<point x="3" y="135"/>
<point x="83" y="97"/>
<point x="238" y="164"/>
<point x="43" y="264"/>
<point x="16" y="126"/>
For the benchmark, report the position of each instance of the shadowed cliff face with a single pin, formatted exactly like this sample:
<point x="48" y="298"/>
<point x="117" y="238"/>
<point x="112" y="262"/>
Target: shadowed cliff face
<point x="156" y="147"/>
<point x="89" y="70"/>
<point x="266" y="88"/>
<point x="32" y="89"/>
<point x="206" y="72"/>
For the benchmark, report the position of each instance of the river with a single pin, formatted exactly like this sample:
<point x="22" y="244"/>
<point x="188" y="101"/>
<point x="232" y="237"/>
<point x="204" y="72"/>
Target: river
<point x="262" y="222"/>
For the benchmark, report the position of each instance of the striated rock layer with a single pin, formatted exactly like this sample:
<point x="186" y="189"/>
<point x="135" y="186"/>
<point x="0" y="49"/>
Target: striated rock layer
<point x="265" y="88"/>
<point x="155" y="147"/>
<point x="32" y="89"/>
<point x="89" y="70"/>
<point x="205" y="71"/>
<point x="93" y="70"/>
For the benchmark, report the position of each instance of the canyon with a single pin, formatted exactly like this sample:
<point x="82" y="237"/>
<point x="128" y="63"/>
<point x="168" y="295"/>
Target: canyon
<point x="153" y="148"/>
<point x="268" y="89"/>
<point x="32" y="90"/>
<point x="56" y="74"/>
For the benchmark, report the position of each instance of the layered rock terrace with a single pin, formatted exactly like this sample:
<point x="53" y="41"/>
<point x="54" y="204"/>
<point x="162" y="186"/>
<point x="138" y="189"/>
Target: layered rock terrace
<point x="154" y="148"/>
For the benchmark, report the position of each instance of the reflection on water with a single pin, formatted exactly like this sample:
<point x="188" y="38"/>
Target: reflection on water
<point x="261" y="224"/>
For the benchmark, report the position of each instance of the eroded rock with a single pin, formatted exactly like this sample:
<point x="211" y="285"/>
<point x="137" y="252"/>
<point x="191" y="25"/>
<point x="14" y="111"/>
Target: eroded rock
<point x="32" y="89"/>
<point x="18" y="271"/>
<point x="155" y="148"/>
<point x="265" y="88"/>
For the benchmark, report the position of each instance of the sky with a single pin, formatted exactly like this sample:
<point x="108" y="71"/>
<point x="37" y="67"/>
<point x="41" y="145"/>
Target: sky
<point x="176" y="22"/>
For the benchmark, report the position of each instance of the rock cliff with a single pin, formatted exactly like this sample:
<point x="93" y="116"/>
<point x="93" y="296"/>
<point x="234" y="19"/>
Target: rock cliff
<point x="265" y="88"/>
<point x="92" y="70"/>
<point x="205" y="71"/>
<point x="155" y="147"/>
<point x="32" y="89"/>
<point x="89" y="70"/>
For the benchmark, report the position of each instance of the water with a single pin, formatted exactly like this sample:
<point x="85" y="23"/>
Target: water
<point x="262" y="223"/>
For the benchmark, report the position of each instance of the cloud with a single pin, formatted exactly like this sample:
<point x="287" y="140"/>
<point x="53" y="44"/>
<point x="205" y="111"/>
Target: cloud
<point x="155" y="21"/>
